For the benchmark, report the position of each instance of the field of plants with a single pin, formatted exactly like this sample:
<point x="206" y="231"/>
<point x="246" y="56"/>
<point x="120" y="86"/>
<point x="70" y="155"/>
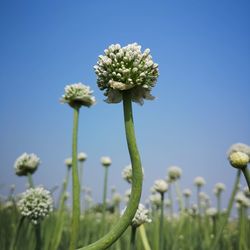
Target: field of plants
<point x="35" y="220"/>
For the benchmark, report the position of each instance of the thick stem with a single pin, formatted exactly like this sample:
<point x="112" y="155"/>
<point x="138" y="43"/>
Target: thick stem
<point x="132" y="238"/>
<point x="247" y="176"/>
<point x="75" y="185"/>
<point x="30" y="181"/>
<point x="224" y="220"/>
<point x="137" y="179"/>
<point x="161" y="231"/>
<point x="38" y="237"/>
<point x="104" y="197"/>
<point x="14" y="243"/>
<point x="144" y="237"/>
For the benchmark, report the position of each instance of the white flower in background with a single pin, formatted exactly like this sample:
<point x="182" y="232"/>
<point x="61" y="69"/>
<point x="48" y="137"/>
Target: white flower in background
<point x="212" y="212"/>
<point x="155" y="199"/>
<point x="35" y="204"/>
<point x="160" y="186"/>
<point x="68" y="162"/>
<point x="174" y="173"/>
<point x="123" y="68"/>
<point x="127" y="173"/>
<point x="199" y="181"/>
<point x="246" y="192"/>
<point x="26" y="163"/>
<point x="127" y="195"/>
<point x="218" y="188"/>
<point x="187" y="192"/>
<point x="77" y="95"/>
<point x="242" y="200"/>
<point x="106" y="161"/>
<point x="116" y="198"/>
<point x="82" y="156"/>
<point x="238" y="159"/>
<point x="141" y="216"/>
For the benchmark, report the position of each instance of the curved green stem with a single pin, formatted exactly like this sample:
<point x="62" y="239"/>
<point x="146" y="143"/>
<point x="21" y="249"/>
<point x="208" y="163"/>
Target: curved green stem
<point x="75" y="185"/>
<point x="137" y="179"/>
<point x="229" y="208"/>
<point x="247" y="176"/>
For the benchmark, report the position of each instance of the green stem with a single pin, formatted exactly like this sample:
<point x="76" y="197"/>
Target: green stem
<point x="224" y="220"/>
<point x="144" y="237"/>
<point x="14" y="243"/>
<point x="104" y="197"/>
<point x="30" y="181"/>
<point x="132" y="238"/>
<point x="247" y="176"/>
<point x="75" y="185"/>
<point x="161" y="231"/>
<point x="171" y="199"/>
<point x="137" y="179"/>
<point x="38" y="237"/>
<point x="179" y="195"/>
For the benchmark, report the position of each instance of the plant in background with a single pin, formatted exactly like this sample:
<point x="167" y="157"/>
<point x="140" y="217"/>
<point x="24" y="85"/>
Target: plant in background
<point x="173" y="175"/>
<point x="26" y="165"/>
<point x="187" y="193"/>
<point x="82" y="157"/>
<point x="126" y="74"/>
<point x="199" y="182"/>
<point x="35" y="204"/>
<point x="106" y="162"/>
<point x="76" y="95"/>
<point x="161" y="187"/>
<point x="218" y="189"/>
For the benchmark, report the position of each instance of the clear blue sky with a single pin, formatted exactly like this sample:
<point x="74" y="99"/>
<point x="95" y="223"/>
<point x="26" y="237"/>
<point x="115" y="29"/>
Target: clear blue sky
<point x="202" y="105"/>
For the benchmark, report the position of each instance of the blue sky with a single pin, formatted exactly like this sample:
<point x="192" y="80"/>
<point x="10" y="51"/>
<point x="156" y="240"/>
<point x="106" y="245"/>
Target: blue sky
<point x="202" y="105"/>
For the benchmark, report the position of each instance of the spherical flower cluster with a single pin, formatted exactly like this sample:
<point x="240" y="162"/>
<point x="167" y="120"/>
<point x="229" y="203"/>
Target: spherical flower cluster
<point x="106" y="161"/>
<point x="68" y="162"/>
<point x="160" y="186"/>
<point x="174" y="173"/>
<point x="242" y="200"/>
<point x="218" y="188"/>
<point x="82" y="156"/>
<point x="26" y="164"/>
<point x="123" y="68"/>
<point x="116" y="198"/>
<point x="187" y="192"/>
<point x="35" y="204"/>
<point x="127" y="173"/>
<point x="141" y="216"/>
<point x="77" y="95"/>
<point x="238" y="159"/>
<point x="199" y="181"/>
<point x="212" y="212"/>
<point x="155" y="199"/>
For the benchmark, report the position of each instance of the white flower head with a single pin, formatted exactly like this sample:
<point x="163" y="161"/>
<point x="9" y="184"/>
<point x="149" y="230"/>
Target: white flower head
<point x="246" y="192"/>
<point x="123" y="68"/>
<point x="68" y="162"/>
<point x="82" y="156"/>
<point x="238" y="159"/>
<point x="141" y="216"/>
<point x="77" y="95"/>
<point x="160" y="186"/>
<point x="26" y="164"/>
<point x="174" y="173"/>
<point x="242" y="200"/>
<point x="127" y="173"/>
<point x="35" y="204"/>
<point x="187" y="192"/>
<point x="212" y="212"/>
<point x="199" y="181"/>
<point x="106" y="161"/>
<point x="116" y="198"/>
<point x="155" y="199"/>
<point x="218" y="188"/>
